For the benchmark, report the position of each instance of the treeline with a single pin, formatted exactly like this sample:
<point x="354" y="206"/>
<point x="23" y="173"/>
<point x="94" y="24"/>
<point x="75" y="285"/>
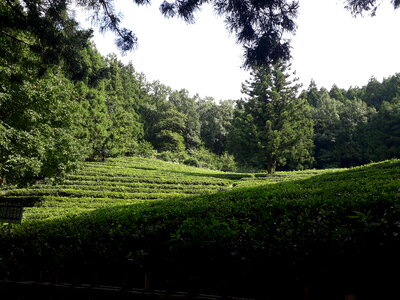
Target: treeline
<point x="79" y="106"/>
<point x="357" y="125"/>
<point x="54" y="117"/>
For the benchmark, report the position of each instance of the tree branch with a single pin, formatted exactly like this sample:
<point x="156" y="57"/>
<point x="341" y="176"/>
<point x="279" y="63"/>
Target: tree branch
<point x="15" y="38"/>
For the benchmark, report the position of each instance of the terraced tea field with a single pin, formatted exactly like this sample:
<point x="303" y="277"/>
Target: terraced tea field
<point x="207" y="232"/>
<point x="124" y="181"/>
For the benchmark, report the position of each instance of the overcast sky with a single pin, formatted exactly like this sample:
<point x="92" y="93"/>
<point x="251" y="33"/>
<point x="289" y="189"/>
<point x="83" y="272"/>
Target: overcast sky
<point x="330" y="46"/>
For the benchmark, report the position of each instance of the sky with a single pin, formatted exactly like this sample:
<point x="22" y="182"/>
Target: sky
<point x="330" y="47"/>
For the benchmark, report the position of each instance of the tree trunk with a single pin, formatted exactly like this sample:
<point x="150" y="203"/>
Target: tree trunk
<point x="271" y="163"/>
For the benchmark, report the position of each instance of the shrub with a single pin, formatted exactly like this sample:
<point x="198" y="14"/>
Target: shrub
<point x="203" y="158"/>
<point x="143" y="149"/>
<point x="176" y="157"/>
<point x="167" y="140"/>
<point x="289" y="235"/>
<point x="227" y="163"/>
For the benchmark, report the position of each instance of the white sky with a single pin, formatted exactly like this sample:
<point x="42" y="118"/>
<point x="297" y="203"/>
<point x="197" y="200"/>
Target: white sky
<point x="330" y="46"/>
<point x="334" y="47"/>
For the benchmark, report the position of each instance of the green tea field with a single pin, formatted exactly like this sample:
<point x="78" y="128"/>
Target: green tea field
<point x="291" y="235"/>
<point x="124" y="181"/>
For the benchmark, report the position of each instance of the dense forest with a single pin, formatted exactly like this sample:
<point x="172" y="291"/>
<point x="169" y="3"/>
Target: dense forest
<point x="55" y="113"/>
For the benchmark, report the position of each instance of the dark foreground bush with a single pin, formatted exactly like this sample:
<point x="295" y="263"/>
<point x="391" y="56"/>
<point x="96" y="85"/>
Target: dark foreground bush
<point x="335" y="233"/>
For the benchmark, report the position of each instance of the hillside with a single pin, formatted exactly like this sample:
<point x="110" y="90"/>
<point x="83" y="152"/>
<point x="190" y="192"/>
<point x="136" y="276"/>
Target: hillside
<point x="124" y="181"/>
<point x="333" y="233"/>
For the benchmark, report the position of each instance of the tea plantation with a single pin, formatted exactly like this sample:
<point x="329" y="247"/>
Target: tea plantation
<point x="124" y="181"/>
<point x="202" y="231"/>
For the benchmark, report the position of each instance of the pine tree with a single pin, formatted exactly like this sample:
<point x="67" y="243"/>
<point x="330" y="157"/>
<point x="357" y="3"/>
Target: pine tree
<point x="275" y="127"/>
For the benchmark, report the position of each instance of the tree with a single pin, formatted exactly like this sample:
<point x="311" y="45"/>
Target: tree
<point x="215" y="123"/>
<point x="357" y="7"/>
<point x="373" y="93"/>
<point x="40" y="113"/>
<point x="384" y="132"/>
<point x="340" y="126"/>
<point x="186" y="105"/>
<point x="274" y="126"/>
<point x="95" y="123"/>
<point x="350" y="146"/>
<point x="259" y="26"/>
<point x="122" y="99"/>
<point x="38" y="125"/>
<point x="312" y="94"/>
<point x="164" y="125"/>
<point x="167" y="140"/>
<point x="337" y="93"/>
<point x="45" y="29"/>
<point x="243" y="138"/>
<point x="326" y="117"/>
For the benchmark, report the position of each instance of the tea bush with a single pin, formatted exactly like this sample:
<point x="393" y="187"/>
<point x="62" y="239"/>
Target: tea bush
<point x="333" y="231"/>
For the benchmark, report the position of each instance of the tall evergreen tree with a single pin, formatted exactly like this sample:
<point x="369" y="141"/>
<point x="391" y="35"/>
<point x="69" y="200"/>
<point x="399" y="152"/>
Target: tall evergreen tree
<point x="122" y="99"/>
<point x="46" y="29"/>
<point x="276" y="125"/>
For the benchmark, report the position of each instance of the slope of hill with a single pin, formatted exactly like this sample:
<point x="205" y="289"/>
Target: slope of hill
<point x="124" y="181"/>
<point x="333" y="233"/>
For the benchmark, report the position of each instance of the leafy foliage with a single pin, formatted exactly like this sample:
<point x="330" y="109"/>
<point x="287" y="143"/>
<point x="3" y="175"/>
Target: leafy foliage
<point x="38" y="123"/>
<point x="303" y="232"/>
